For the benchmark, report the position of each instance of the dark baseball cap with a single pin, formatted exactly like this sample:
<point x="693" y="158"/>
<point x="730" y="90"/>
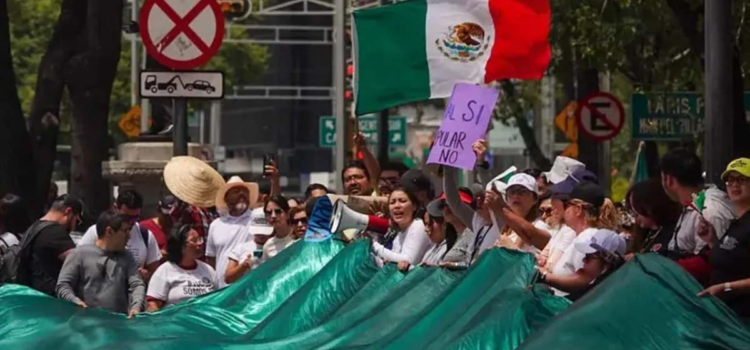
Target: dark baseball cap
<point x="589" y="192"/>
<point x="562" y="189"/>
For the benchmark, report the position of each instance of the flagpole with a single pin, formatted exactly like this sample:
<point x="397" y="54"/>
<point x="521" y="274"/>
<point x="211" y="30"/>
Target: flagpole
<point x="638" y="155"/>
<point x="339" y="87"/>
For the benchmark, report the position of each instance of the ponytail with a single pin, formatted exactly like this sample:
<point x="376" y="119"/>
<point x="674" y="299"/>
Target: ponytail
<point x="607" y="218"/>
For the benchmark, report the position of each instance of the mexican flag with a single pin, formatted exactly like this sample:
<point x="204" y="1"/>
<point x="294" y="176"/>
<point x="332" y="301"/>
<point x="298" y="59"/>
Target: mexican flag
<point x="418" y="49"/>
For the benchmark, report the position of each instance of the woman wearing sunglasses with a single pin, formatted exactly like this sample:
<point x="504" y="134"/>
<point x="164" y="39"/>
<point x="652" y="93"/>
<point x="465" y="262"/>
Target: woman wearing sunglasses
<point x="562" y="235"/>
<point x="298" y="222"/>
<point x="443" y="237"/>
<point x="183" y="276"/>
<point x="277" y="214"/>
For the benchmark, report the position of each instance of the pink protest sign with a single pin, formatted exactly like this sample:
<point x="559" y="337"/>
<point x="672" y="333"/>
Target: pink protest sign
<point x="465" y="121"/>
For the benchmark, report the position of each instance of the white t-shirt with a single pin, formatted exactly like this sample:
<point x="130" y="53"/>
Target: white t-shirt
<point x="142" y="253"/>
<point x="410" y="245"/>
<point x="487" y="234"/>
<point x="223" y="235"/>
<point x="572" y="260"/>
<point x="173" y="284"/>
<point x="562" y="238"/>
<point x="241" y="252"/>
<point x="8" y="239"/>
<point x="275" y="245"/>
<point x="528" y="248"/>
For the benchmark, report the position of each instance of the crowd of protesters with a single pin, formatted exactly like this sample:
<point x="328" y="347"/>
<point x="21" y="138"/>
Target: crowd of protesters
<point x="208" y="233"/>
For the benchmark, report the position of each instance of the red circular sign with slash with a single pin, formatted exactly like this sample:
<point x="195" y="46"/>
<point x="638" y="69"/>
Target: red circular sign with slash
<point x="182" y="34"/>
<point x="600" y="116"/>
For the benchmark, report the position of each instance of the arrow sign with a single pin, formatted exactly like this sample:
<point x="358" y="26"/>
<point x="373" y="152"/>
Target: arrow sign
<point x="330" y="125"/>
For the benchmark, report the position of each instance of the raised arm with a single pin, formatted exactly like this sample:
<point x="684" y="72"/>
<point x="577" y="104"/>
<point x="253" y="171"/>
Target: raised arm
<point x="372" y="165"/>
<point x="482" y="169"/>
<point x="450" y="185"/>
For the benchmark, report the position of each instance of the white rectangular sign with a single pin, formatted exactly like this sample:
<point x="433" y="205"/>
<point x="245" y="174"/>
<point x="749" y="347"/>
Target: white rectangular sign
<point x="190" y="84"/>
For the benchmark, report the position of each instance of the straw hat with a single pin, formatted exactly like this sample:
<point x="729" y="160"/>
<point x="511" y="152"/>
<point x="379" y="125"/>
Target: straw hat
<point x="193" y="181"/>
<point x="252" y="189"/>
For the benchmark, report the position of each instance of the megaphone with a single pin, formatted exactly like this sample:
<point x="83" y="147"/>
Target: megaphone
<point x="345" y="218"/>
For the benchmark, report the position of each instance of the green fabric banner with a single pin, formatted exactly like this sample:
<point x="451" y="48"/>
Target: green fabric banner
<point x="324" y="296"/>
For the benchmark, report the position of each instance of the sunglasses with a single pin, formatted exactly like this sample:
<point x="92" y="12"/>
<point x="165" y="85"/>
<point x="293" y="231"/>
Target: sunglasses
<point x="546" y="211"/>
<point x="298" y="221"/>
<point x="276" y="211"/>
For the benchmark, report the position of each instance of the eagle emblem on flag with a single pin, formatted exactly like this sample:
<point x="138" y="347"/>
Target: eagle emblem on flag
<point x="464" y="42"/>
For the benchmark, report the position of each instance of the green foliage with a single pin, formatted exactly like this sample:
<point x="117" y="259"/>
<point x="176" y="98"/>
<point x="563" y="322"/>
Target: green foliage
<point x="32" y="24"/>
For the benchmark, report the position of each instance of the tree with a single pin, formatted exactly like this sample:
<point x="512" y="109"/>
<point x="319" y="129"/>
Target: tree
<point x="645" y="45"/>
<point x="72" y="53"/>
<point x="17" y="174"/>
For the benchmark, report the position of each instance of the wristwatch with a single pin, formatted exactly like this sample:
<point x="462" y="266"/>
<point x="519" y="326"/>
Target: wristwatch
<point x="727" y="287"/>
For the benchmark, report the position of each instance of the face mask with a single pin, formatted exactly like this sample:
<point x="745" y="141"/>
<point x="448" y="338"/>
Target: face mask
<point x="240" y="207"/>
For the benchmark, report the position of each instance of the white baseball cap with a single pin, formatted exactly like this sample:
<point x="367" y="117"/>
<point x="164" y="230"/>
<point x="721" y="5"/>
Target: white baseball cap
<point x="602" y="241"/>
<point x="525" y="180"/>
<point x="258" y="223"/>
<point x="562" y="168"/>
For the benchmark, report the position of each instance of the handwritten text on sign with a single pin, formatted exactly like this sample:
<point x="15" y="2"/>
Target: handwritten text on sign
<point x="465" y="121"/>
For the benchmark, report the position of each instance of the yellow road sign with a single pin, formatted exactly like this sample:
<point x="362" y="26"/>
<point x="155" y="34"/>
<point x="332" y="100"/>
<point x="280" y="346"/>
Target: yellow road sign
<point x="130" y="123"/>
<point x="566" y="121"/>
<point x="571" y="151"/>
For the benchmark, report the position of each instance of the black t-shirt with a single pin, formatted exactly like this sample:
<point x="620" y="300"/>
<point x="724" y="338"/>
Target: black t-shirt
<point x="730" y="261"/>
<point x="45" y="262"/>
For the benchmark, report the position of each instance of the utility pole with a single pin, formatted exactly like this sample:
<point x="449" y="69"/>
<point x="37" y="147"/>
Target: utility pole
<point x="180" y="130"/>
<point x="339" y="87"/>
<point x="718" y="138"/>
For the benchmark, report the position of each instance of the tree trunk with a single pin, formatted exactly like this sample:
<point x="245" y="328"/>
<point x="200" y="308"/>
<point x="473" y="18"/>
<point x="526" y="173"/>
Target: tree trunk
<point x="588" y="149"/>
<point x="44" y="118"/>
<point x="16" y="171"/>
<point x="689" y="19"/>
<point x="90" y="74"/>
<point x="527" y="133"/>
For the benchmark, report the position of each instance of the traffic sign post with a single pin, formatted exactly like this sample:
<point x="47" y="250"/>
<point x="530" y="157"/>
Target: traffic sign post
<point x="181" y="35"/>
<point x="368" y="126"/>
<point x="196" y="85"/>
<point x="600" y="116"/>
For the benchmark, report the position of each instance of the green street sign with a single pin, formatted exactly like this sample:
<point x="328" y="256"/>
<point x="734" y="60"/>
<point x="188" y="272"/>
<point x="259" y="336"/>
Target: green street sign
<point x="670" y="116"/>
<point x="368" y="125"/>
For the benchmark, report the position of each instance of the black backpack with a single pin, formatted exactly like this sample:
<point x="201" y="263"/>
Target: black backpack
<point x="11" y="256"/>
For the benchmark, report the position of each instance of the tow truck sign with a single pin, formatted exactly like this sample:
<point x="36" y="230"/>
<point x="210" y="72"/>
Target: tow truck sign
<point x="177" y="84"/>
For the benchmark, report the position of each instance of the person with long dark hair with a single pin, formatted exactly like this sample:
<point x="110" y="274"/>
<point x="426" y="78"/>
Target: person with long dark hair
<point x="277" y="214"/>
<point x="410" y="242"/>
<point x="14" y="219"/>
<point x="443" y="237"/>
<point x="183" y="276"/>
<point x="656" y="215"/>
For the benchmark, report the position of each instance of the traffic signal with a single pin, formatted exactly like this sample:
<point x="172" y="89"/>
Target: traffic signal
<point x="235" y="9"/>
<point x="348" y="94"/>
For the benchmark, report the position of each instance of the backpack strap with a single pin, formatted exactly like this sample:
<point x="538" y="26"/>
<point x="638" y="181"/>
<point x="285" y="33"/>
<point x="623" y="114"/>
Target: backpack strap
<point x="144" y="235"/>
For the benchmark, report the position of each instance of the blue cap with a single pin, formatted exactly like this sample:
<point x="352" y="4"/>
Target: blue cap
<point x="564" y="188"/>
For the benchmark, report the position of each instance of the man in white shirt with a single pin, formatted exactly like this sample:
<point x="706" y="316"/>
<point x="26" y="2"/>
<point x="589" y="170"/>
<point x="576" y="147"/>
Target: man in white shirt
<point x="233" y="202"/>
<point x="141" y="244"/>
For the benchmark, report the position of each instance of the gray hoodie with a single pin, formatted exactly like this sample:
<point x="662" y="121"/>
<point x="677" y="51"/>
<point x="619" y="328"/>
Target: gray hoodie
<point x="102" y="279"/>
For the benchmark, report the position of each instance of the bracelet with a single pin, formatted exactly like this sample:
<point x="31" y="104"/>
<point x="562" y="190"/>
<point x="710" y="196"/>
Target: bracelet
<point x="727" y="287"/>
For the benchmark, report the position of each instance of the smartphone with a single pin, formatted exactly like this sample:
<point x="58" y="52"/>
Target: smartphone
<point x="268" y="159"/>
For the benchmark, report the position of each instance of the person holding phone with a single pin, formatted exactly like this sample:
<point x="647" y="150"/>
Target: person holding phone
<point x="271" y="172"/>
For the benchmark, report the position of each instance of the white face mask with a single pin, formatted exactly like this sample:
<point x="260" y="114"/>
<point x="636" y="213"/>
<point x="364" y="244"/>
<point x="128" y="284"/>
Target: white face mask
<point x="240" y="207"/>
